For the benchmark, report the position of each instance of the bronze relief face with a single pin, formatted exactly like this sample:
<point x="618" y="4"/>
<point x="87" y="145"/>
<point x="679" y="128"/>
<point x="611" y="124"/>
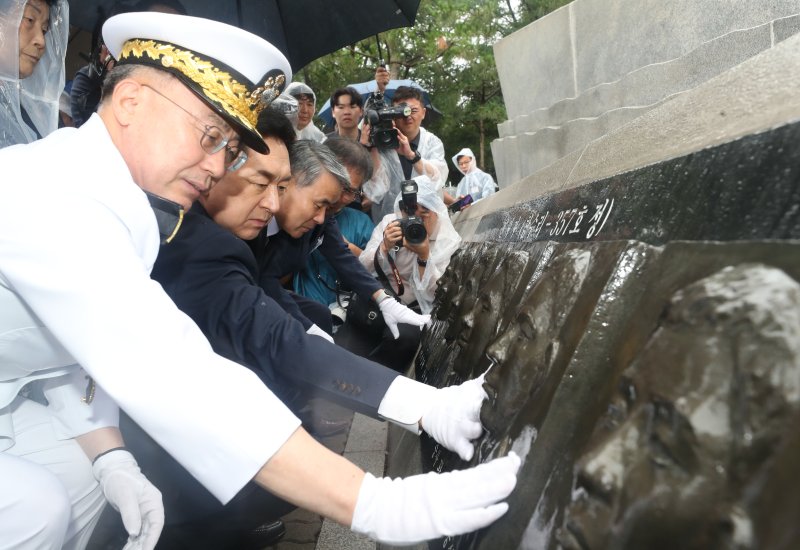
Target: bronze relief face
<point x="490" y="313"/>
<point x="465" y="296"/>
<point x="703" y="407"/>
<point x="524" y="353"/>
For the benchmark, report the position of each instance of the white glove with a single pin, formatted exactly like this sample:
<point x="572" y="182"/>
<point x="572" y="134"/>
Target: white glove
<point x="129" y="492"/>
<point x="454" y="416"/>
<point x="316" y="331"/>
<point x="394" y="312"/>
<point x="428" y="506"/>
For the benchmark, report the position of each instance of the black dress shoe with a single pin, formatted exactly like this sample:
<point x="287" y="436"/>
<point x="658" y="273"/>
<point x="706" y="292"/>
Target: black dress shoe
<point x="262" y="536"/>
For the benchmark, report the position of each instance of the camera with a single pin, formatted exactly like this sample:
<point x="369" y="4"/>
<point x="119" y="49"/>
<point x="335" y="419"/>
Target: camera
<point x="413" y="229"/>
<point x="379" y="115"/>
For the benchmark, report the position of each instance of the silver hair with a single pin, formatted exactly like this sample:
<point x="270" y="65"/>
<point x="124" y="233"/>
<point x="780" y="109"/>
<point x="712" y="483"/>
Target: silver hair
<point x="310" y="159"/>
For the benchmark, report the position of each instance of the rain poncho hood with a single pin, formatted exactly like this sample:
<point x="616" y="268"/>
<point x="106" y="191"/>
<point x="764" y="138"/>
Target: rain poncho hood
<point x="299" y="88"/>
<point x="444" y="240"/>
<point x="287" y="104"/>
<point x="465" y="152"/>
<point x="40" y="92"/>
<point x="295" y="90"/>
<point x="476" y="183"/>
<point x="447" y="239"/>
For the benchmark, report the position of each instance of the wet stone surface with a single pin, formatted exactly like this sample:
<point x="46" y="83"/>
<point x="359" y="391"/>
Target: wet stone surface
<point x="649" y="378"/>
<point x="743" y="190"/>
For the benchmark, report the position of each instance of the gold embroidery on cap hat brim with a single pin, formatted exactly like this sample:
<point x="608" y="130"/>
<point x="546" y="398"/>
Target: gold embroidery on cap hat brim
<point x="217" y="85"/>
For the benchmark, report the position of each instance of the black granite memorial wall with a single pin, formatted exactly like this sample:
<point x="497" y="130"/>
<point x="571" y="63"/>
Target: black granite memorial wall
<point x="643" y="334"/>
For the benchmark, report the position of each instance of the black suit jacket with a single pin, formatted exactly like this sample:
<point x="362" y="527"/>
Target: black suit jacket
<point x="282" y="254"/>
<point x="211" y="275"/>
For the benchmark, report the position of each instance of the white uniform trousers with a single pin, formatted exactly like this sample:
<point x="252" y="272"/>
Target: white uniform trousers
<point x="49" y="498"/>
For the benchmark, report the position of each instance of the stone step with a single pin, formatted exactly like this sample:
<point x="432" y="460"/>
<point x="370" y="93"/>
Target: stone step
<point x="519" y="156"/>
<point x="591" y="42"/>
<point x="650" y="84"/>
<point x="757" y="95"/>
<point x="531" y="142"/>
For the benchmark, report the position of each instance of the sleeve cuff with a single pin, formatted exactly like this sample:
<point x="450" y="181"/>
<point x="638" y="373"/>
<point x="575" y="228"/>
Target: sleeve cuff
<point x="405" y="402"/>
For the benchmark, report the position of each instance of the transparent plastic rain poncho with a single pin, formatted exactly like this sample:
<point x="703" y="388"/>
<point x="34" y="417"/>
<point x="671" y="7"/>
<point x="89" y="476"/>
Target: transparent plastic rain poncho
<point x="388" y="177"/>
<point x="299" y="88"/>
<point x="444" y="241"/>
<point x="39" y="93"/>
<point x="286" y="104"/>
<point x="475" y="182"/>
<point x="296" y="89"/>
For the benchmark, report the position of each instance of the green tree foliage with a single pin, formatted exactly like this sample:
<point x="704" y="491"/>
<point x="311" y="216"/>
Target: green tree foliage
<point x="449" y="53"/>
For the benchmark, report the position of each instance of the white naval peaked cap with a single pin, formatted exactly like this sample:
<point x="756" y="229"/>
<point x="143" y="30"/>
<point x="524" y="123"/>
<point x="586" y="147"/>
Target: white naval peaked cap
<point x="233" y="71"/>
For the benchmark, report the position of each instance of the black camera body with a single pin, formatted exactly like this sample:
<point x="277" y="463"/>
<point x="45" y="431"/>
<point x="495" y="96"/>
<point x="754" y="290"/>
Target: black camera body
<point x="413" y="228"/>
<point x="379" y="115"/>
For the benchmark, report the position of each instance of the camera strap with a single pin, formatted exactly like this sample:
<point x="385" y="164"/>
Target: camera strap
<point x="395" y="273"/>
<point x="338" y="290"/>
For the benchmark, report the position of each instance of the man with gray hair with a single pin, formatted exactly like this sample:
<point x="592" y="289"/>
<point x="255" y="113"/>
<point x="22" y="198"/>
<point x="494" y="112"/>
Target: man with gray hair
<point x="318" y="180"/>
<point x="304" y="224"/>
<point x="321" y="280"/>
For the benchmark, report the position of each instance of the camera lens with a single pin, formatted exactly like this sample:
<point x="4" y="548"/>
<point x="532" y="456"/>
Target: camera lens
<point x="384" y="138"/>
<point x="414" y="231"/>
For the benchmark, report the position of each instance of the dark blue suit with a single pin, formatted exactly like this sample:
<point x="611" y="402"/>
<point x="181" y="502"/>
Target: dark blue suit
<point x="211" y="275"/>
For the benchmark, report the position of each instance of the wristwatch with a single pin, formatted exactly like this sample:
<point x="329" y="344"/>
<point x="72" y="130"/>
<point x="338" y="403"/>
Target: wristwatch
<point x="417" y="157"/>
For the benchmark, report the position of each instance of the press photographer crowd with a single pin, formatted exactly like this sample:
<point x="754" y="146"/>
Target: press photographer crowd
<point x="188" y="264"/>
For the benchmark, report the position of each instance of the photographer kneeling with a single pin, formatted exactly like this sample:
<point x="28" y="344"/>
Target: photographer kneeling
<point x="408" y="251"/>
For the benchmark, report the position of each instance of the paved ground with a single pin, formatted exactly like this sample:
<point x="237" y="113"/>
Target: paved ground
<point x="365" y="445"/>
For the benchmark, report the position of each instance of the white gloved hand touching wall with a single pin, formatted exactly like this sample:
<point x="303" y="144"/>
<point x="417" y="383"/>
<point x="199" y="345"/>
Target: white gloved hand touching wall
<point x="428" y="506"/>
<point x="450" y="415"/>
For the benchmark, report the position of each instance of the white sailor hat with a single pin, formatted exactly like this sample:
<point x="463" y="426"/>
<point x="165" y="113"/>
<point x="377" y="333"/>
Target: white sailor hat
<point x="235" y="72"/>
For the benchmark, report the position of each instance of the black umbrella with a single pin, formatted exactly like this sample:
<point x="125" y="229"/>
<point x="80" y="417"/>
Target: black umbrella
<point x="303" y="30"/>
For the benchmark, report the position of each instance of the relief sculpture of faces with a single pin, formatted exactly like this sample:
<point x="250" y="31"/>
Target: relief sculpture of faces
<point x="466" y="295"/>
<point x="524" y="354"/>
<point x="488" y="316"/>
<point x="432" y="362"/>
<point x="448" y="284"/>
<point x="699" y="413"/>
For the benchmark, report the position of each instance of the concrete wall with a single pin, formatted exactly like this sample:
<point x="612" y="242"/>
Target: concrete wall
<point x="752" y="97"/>
<point x="595" y="65"/>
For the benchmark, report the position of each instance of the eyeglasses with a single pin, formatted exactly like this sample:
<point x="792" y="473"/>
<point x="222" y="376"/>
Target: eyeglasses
<point x="213" y="140"/>
<point x="355" y="193"/>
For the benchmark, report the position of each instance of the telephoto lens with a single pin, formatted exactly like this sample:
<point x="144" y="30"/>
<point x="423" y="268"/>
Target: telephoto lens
<point x="413" y="230"/>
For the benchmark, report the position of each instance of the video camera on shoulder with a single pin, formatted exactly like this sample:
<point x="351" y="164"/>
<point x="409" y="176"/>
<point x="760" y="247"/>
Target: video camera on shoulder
<point x="413" y="228"/>
<point x="379" y="115"/>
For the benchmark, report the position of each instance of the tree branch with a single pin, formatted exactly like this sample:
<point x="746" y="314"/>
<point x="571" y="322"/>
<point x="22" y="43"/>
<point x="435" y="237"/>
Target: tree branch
<point x="511" y="11"/>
